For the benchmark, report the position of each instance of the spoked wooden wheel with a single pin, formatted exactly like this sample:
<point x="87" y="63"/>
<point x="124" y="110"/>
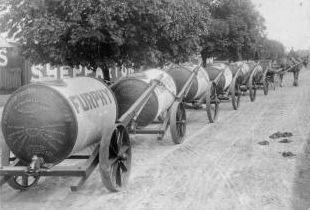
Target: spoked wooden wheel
<point x="177" y="122"/>
<point x="235" y="92"/>
<point x="252" y="87"/>
<point x="212" y="103"/>
<point x="23" y="182"/>
<point x="115" y="159"/>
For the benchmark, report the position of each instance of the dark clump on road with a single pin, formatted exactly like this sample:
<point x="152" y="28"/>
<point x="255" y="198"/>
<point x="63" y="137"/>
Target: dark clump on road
<point x="280" y="135"/>
<point x="285" y="141"/>
<point x="263" y="143"/>
<point x="288" y="154"/>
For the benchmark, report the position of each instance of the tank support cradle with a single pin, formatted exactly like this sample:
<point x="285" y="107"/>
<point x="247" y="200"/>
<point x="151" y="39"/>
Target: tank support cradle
<point x="15" y="169"/>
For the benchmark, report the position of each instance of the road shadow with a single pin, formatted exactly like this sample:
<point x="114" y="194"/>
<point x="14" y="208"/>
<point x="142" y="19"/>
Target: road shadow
<point x="301" y="187"/>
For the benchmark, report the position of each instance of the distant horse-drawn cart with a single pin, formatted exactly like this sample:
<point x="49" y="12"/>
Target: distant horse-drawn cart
<point x="291" y="64"/>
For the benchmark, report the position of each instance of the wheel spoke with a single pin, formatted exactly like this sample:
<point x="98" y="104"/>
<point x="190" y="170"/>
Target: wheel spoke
<point x="214" y="113"/>
<point x="114" y="149"/>
<point x="118" y="175"/>
<point x="112" y="161"/>
<point x="119" y="141"/>
<point x="123" y="150"/>
<point x="180" y="131"/>
<point x="180" y="121"/>
<point x="114" y="174"/>
<point x="113" y="145"/>
<point x="122" y="166"/>
<point x="179" y="113"/>
<point x="25" y="180"/>
<point x="183" y="129"/>
<point x="238" y="91"/>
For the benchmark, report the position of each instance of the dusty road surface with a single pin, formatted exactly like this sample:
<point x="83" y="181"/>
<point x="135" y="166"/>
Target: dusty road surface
<point x="219" y="166"/>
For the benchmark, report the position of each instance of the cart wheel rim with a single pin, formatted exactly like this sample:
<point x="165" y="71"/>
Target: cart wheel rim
<point x="236" y="95"/>
<point x="212" y="104"/>
<point x="23" y="182"/>
<point x="178" y="122"/>
<point x="252" y="87"/>
<point x="116" y="164"/>
<point x="238" y="92"/>
<point x="266" y="87"/>
<point x="215" y="108"/>
<point x="252" y="91"/>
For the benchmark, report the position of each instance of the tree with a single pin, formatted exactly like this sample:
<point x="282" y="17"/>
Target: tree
<point x="271" y="49"/>
<point x="235" y="28"/>
<point x="101" y="33"/>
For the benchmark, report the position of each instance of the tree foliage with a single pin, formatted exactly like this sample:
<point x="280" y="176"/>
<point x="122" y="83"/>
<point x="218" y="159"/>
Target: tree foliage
<point x="236" y="26"/>
<point x="271" y="49"/>
<point x="100" y="33"/>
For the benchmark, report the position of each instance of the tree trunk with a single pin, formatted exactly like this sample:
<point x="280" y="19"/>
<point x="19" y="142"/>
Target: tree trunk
<point x="238" y="54"/>
<point x="204" y="56"/>
<point x="105" y="72"/>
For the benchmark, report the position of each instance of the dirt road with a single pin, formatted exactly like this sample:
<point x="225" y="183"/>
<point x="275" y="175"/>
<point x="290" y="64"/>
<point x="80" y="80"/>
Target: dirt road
<point x="219" y="166"/>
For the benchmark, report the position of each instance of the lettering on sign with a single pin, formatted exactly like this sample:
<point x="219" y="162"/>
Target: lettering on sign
<point x="48" y="72"/>
<point x="3" y="57"/>
<point x="90" y="100"/>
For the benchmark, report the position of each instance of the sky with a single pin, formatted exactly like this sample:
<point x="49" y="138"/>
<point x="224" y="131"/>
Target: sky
<point x="287" y="21"/>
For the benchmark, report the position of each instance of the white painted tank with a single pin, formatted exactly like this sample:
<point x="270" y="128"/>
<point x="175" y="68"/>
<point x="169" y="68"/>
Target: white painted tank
<point x="215" y="69"/>
<point x="57" y="118"/>
<point x="202" y="79"/>
<point x="128" y="90"/>
<point x="259" y="73"/>
<point x="245" y="70"/>
<point x="181" y="73"/>
<point x="258" y="70"/>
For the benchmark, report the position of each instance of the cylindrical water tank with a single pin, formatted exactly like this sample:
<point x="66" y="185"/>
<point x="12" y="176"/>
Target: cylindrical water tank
<point x="215" y="69"/>
<point x="234" y="67"/>
<point x="245" y="70"/>
<point x="181" y="74"/>
<point x="128" y="90"/>
<point x="259" y="73"/>
<point x="55" y="119"/>
<point x="258" y="70"/>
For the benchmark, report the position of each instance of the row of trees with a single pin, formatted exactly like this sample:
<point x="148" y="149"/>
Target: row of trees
<point x="101" y="33"/>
